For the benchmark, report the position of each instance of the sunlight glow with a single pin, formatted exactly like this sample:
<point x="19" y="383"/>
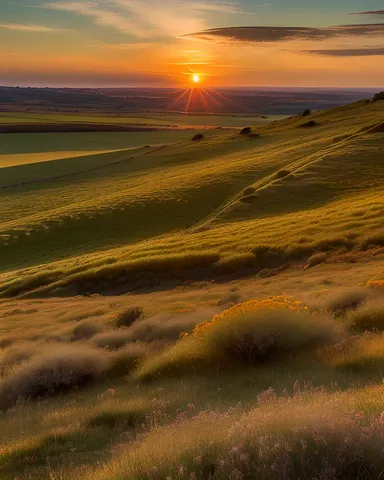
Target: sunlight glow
<point x="196" y="78"/>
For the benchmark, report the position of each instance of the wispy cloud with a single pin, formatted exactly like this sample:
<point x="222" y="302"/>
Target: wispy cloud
<point x="279" y="34"/>
<point x="370" y="12"/>
<point x="348" y="52"/>
<point x="149" y="18"/>
<point x="101" y="16"/>
<point x="30" y="28"/>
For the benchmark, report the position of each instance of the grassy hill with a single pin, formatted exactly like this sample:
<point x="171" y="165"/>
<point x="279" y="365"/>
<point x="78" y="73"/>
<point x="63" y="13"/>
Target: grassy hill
<point x="289" y="189"/>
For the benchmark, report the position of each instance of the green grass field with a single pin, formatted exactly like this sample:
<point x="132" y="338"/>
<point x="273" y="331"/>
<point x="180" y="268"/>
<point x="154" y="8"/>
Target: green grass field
<point x="24" y="148"/>
<point x="195" y="310"/>
<point x="147" y="119"/>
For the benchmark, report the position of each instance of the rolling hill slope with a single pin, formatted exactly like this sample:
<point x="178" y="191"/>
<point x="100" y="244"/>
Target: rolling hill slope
<point x="118" y="221"/>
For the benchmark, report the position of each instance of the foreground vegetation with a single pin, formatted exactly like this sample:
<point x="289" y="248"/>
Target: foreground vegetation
<point x="274" y="388"/>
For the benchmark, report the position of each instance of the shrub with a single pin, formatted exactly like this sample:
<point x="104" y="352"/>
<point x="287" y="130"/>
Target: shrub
<point x="346" y="301"/>
<point x="363" y="354"/>
<point x="253" y="333"/>
<point x="59" y="369"/>
<point x="246" y="131"/>
<point x="18" y="354"/>
<point x="164" y="328"/>
<point x="317" y="259"/>
<point x="306" y="113"/>
<point x="86" y="329"/>
<point x="378" y="96"/>
<point x="198" y="137"/>
<point x="126" y="318"/>
<point x="369" y="317"/>
<point x="311" y="123"/>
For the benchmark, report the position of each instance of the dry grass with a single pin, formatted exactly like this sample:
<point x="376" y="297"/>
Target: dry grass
<point x="368" y="317"/>
<point x="58" y="369"/>
<point x="303" y="436"/>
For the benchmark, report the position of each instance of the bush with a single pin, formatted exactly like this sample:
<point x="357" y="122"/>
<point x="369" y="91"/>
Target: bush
<point x="86" y="329"/>
<point x="346" y="301"/>
<point x="261" y="334"/>
<point x="369" y="317"/>
<point x="378" y="96"/>
<point x="246" y="131"/>
<point x="253" y="332"/>
<point x="165" y="328"/>
<point x="128" y="317"/>
<point x="198" y="137"/>
<point x="311" y="123"/>
<point x="18" y="354"/>
<point x="317" y="259"/>
<point x="362" y="354"/>
<point x="306" y="113"/>
<point x="59" y="369"/>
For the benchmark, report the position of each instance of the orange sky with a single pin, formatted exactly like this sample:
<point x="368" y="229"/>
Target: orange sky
<point x="104" y="46"/>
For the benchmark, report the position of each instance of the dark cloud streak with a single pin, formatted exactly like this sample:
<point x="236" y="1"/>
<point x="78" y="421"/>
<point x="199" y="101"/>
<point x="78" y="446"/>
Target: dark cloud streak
<point x="348" y="52"/>
<point x="372" y="12"/>
<point x="279" y="34"/>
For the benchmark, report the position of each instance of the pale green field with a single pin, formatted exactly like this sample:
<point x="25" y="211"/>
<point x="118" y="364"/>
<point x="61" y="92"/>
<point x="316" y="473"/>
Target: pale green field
<point x="160" y="119"/>
<point x="24" y="148"/>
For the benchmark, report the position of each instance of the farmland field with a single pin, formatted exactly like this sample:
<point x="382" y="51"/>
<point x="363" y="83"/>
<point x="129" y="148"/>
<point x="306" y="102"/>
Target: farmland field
<point x="23" y="148"/>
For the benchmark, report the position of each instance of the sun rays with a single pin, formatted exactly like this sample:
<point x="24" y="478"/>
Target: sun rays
<point x="201" y="99"/>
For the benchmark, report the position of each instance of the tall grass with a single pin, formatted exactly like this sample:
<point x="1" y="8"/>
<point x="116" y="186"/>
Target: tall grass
<point x="298" y="437"/>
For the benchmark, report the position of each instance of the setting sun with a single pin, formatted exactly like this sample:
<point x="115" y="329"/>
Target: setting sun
<point x="196" y="78"/>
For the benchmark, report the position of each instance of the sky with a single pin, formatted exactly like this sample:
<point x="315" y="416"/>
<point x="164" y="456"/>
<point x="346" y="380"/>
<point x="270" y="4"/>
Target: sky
<point x="122" y="43"/>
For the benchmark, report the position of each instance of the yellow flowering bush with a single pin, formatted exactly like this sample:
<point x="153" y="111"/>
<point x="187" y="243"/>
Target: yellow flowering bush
<point x="252" y="306"/>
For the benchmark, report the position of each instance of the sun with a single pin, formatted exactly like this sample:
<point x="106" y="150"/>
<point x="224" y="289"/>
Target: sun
<point x="196" y="78"/>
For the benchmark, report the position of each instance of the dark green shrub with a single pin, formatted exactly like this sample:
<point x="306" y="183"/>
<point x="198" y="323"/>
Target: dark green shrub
<point x="128" y="317"/>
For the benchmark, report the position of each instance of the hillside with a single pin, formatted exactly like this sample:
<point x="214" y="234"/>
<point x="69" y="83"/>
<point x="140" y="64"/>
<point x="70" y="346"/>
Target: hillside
<point x="195" y="310"/>
<point x="291" y="188"/>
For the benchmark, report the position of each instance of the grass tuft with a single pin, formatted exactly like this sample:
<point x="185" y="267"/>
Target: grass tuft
<point x="59" y="369"/>
<point x="128" y="317"/>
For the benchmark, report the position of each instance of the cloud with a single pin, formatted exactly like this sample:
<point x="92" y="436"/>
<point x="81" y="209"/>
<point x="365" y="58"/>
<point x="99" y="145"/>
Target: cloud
<point x="101" y="16"/>
<point x="372" y="12"/>
<point x="279" y="34"/>
<point x="149" y="18"/>
<point x="348" y="52"/>
<point x="30" y="28"/>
